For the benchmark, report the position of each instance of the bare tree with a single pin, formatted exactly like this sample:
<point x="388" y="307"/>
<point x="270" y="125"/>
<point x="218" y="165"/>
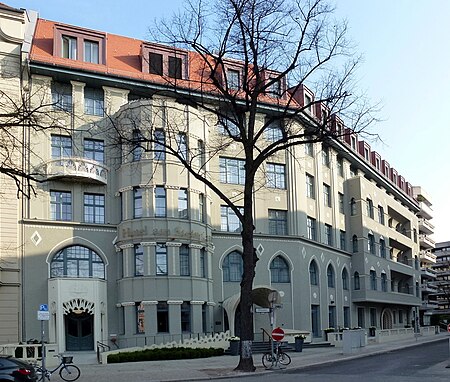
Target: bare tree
<point x="20" y="120"/>
<point x="277" y="48"/>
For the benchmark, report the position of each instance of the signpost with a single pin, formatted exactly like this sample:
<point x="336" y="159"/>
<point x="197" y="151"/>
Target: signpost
<point x="43" y="315"/>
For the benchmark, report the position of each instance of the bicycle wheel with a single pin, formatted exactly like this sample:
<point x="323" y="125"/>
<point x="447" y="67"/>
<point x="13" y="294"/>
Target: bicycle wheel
<point x="284" y="359"/>
<point x="267" y="360"/>
<point x="69" y="372"/>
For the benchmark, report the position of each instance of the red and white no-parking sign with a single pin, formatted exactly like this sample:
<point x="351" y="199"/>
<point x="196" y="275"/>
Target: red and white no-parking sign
<point x="448" y="328"/>
<point x="277" y="334"/>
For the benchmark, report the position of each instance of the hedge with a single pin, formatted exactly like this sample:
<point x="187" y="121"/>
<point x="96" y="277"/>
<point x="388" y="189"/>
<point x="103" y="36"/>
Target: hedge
<point x="163" y="354"/>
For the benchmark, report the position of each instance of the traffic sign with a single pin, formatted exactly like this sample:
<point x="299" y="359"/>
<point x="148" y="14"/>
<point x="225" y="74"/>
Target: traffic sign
<point x="43" y="308"/>
<point x="262" y="310"/>
<point x="43" y="315"/>
<point x="277" y="334"/>
<point x="448" y="328"/>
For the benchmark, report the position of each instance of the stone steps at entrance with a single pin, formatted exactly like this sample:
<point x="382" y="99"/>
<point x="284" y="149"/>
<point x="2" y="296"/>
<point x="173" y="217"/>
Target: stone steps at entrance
<point x="83" y="357"/>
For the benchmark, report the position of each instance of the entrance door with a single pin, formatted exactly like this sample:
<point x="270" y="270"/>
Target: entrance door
<point x="315" y="320"/>
<point x="79" y="331"/>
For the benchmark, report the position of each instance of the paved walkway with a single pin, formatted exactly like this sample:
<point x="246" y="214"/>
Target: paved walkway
<point x="217" y="367"/>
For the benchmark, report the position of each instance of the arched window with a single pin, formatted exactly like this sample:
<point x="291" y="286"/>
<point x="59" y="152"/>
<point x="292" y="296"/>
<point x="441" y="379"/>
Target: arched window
<point x="313" y="274"/>
<point x="352" y="206"/>
<point x="373" y="280"/>
<point x="345" y="279"/>
<point x="77" y="261"/>
<point x="369" y="207"/>
<point x="382" y="248"/>
<point x="279" y="270"/>
<point x="355" y="243"/>
<point x="233" y="267"/>
<point x="356" y="284"/>
<point x="330" y="276"/>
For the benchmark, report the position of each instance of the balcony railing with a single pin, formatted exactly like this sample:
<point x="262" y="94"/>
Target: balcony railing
<point x="74" y="168"/>
<point x="427" y="257"/>
<point x="426" y="242"/>
<point x="426" y="226"/>
<point x="425" y="210"/>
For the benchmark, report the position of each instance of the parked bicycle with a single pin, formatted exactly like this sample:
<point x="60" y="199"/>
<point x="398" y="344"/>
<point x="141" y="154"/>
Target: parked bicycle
<point x="269" y="360"/>
<point x="67" y="370"/>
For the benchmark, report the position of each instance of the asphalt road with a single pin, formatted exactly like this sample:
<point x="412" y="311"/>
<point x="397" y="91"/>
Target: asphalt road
<point x="424" y="363"/>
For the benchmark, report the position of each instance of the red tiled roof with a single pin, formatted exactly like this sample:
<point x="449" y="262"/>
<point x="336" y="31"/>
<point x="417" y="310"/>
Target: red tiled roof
<point x="123" y="59"/>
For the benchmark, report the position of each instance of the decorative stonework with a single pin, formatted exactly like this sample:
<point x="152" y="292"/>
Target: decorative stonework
<point x="196" y="246"/>
<point x="173" y="244"/>
<point x="36" y="238"/>
<point x="78" y="305"/>
<point x="197" y="302"/>
<point x="174" y="302"/>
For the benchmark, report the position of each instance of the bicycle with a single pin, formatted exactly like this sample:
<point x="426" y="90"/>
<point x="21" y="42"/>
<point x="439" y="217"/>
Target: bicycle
<point x="67" y="371"/>
<point x="279" y="356"/>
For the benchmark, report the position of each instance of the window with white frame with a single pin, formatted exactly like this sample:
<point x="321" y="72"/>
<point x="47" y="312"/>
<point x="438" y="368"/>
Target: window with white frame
<point x="77" y="261"/>
<point x="340" y="166"/>
<point x="277" y="222"/>
<point x="91" y="51"/>
<point x="326" y="156"/>
<point x="311" y="228"/>
<point x="61" y="146"/>
<point x="229" y="222"/>
<point x="309" y="149"/>
<point x="60" y="205"/>
<point x="227" y="127"/>
<point x="69" y="47"/>
<point x="201" y="208"/>
<point x="310" y="186"/>
<point x="276" y="175"/>
<point x="94" y="208"/>
<point x="232" y="170"/>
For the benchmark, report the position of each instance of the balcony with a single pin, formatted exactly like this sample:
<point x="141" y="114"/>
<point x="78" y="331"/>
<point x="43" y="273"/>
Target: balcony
<point x="426" y="242"/>
<point x="427" y="257"/>
<point x="429" y="287"/>
<point x="75" y="169"/>
<point x="425" y="211"/>
<point x="425" y="226"/>
<point x="429" y="305"/>
<point x="428" y="273"/>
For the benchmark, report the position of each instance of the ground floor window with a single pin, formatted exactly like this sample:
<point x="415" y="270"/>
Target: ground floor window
<point x="346" y="317"/>
<point x="315" y="320"/>
<point x="361" y="320"/>
<point x="185" y="317"/>
<point x="162" y="317"/>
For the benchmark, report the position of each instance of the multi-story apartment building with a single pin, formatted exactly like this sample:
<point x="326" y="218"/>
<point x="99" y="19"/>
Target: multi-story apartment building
<point x="427" y="257"/>
<point x="440" y="296"/>
<point x="123" y="243"/>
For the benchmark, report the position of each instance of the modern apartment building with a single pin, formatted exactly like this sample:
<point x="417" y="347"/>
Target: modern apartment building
<point x="439" y="298"/>
<point x="124" y="244"/>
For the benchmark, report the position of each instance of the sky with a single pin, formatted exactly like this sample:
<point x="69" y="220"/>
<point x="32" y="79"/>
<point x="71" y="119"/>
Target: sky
<point x="406" y="68"/>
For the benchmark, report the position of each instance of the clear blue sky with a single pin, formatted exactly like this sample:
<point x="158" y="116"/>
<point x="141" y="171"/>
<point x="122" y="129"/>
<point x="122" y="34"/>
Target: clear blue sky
<point x="407" y="64"/>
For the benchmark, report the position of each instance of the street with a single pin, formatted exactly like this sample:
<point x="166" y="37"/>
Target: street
<point x="424" y="363"/>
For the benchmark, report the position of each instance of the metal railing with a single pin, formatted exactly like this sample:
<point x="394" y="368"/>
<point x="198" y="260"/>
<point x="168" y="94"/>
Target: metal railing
<point x="101" y="347"/>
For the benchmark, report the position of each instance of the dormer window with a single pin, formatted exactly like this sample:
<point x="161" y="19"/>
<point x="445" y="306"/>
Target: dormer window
<point x="175" y="65"/>
<point x="163" y="61"/>
<point x="353" y="143"/>
<point x="69" y="47"/>
<point x="308" y="101"/>
<point x="79" y="44"/>
<point x="233" y="79"/>
<point x="275" y="88"/>
<point x="91" y="51"/>
<point x="156" y="63"/>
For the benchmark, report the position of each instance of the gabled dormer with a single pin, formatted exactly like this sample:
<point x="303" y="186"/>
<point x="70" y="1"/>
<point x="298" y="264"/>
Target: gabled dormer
<point x="376" y="161"/>
<point x="364" y="150"/>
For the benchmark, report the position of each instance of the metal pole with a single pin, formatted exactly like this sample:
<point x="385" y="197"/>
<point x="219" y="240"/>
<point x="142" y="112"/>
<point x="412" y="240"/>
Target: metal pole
<point x="44" y="371"/>
<point x="272" y="311"/>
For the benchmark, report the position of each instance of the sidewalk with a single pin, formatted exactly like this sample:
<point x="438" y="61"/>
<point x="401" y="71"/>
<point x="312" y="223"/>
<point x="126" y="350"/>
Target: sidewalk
<point x="217" y="367"/>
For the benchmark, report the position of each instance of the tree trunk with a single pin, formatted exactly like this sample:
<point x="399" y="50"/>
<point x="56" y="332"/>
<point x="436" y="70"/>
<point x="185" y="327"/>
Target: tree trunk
<point x="249" y="259"/>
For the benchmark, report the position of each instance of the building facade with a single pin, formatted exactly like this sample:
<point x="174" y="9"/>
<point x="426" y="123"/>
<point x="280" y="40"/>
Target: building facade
<point x="124" y="245"/>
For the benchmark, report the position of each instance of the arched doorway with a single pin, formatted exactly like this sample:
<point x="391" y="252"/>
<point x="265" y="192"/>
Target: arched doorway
<point x="79" y="324"/>
<point x="386" y="319"/>
<point x="79" y="331"/>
